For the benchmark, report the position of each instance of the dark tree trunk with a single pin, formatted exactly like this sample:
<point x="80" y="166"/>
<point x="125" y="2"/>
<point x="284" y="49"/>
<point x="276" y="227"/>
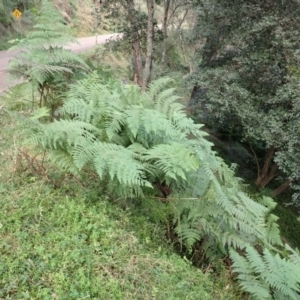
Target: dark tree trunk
<point x="269" y="170"/>
<point x="150" y="36"/>
<point x="281" y="188"/>
<point x="210" y="49"/>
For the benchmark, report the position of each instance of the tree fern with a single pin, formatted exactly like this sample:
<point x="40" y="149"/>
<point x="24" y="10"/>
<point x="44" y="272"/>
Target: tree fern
<point x="114" y="122"/>
<point x="42" y="60"/>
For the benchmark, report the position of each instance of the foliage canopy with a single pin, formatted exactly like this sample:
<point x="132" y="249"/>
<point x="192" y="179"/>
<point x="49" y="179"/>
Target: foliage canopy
<point x="248" y="68"/>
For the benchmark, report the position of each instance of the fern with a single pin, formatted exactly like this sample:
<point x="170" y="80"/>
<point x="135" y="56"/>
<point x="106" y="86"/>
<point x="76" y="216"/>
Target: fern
<point x="42" y="60"/>
<point x="49" y="29"/>
<point x="135" y="141"/>
<point x="268" y="276"/>
<point x="165" y="157"/>
<point x="294" y="255"/>
<point x="103" y="122"/>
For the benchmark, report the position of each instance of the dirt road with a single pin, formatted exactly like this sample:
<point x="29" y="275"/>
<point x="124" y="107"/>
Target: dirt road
<point x="82" y="45"/>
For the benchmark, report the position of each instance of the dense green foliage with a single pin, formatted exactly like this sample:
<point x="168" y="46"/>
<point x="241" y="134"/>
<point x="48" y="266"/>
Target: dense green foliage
<point x="65" y="247"/>
<point x="289" y="224"/>
<point x="248" y="68"/>
<point x="134" y="141"/>
<point x="6" y="8"/>
<point x="138" y="146"/>
<point x="260" y="274"/>
<point x="68" y="243"/>
<point x="61" y="238"/>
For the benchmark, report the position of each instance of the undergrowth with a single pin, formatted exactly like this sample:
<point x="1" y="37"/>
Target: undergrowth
<point x="62" y="240"/>
<point x="289" y="225"/>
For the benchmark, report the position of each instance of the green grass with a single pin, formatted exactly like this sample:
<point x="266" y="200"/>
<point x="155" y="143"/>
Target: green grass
<point x="62" y="240"/>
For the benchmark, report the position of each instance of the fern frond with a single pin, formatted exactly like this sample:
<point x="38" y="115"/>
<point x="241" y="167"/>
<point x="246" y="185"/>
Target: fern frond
<point x="64" y="161"/>
<point x="175" y="160"/>
<point x="40" y="113"/>
<point x="187" y="234"/>
<point x="266" y="275"/>
<point x="49" y="29"/>
<point x="19" y="94"/>
<point x="294" y="255"/>
<point x="42" y="55"/>
<point x="157" y="86"/>
<point x="282" y="274"/>
<point x="273" y="231"/>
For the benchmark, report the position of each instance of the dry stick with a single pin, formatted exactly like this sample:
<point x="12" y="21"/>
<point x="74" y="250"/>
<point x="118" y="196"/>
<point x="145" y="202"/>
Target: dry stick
<point x="44" y="154"/>
<point x="169" y="199"/>
<point x="41" y="96"/>
<point x="46" y="95"/>
<point x="32" y="95"/>
<point x="204" y="252"/>
<point x="177" y="6"/>
<point x="138" y="66"/>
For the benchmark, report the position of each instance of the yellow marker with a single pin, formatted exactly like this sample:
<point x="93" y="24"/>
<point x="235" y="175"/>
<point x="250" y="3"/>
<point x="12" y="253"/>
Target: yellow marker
<point x="17" y="14"/>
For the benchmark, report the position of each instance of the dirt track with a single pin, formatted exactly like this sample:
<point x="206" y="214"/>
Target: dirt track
<point x="82" y="45"/>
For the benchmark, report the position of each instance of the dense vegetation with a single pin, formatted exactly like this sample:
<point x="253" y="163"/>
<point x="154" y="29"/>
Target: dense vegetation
<point x="105" y="172"/>
<point x="248" y="69"/>
<point x="63" y="240"/>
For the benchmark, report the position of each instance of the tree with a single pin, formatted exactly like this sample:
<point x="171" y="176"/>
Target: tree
<point x="166" y="5"/>
<point x="171" y="9"/>
<point x="150" y="40"/>
<point x="138" y="31"/>
<point x="248" y="69"/>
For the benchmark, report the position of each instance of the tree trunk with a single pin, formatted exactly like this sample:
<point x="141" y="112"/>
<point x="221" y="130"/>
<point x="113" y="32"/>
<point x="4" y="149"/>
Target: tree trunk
<point x="150" y="35"/>
<point x="165" y="28"/>
<point x="269" y="170"/>
<point x="137" y="61"/>
<point x="270" y="175"/>
<point x="281" y="188"/>
<point x="137" y="55"/>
